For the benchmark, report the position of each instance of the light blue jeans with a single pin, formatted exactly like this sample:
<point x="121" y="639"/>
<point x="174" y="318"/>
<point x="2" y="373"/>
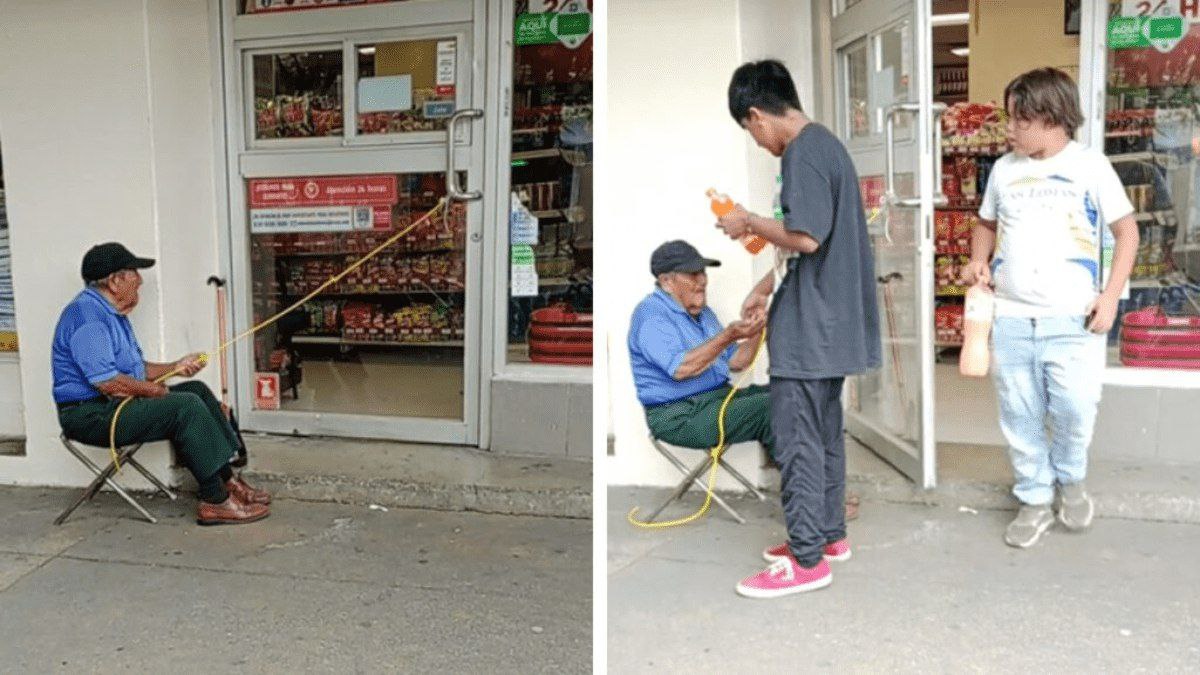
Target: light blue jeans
<point x="1048" y="374"/>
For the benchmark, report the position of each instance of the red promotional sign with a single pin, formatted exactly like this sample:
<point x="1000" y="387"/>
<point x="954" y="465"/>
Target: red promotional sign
<point x="266" y="391"/>
<point x="378" y="191"/>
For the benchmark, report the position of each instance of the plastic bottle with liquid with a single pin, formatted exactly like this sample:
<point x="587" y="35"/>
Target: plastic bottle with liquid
<point x="722" y="204"/>
<point x="973" y="360"/>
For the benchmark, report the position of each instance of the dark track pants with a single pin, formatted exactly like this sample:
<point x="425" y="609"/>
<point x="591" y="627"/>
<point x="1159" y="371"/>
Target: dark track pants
<point x="806" y="422"/>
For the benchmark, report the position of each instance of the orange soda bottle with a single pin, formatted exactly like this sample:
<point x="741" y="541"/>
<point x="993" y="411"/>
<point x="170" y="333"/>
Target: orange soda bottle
<point x="722" y="204"/>
<point x="973" y="360"/>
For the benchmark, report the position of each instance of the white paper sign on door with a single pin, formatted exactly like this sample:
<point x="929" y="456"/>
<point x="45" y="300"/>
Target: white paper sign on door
<point x="447" y="59"/>
<point x="384" y="94"/>
<point x="311" y="219"/>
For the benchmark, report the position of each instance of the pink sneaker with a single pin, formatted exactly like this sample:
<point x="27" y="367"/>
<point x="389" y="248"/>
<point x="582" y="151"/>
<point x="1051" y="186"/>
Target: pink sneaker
<point x="784" y="577"/>
<point x="838" y="551"/>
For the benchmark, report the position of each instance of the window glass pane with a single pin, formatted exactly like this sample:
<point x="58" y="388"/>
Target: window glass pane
<point x="892" y="77"/>
<point x="298" y="95"/>
<point x="858" y="115"/>
<point x="393" y="326"/>
<point x="550" y="262"/>
<point x="1151" y="136"/>
<point x="406" y="86"/>
<point x="275" y="6"/>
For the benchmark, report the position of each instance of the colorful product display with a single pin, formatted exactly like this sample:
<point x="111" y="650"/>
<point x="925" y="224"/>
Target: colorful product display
<point x="411" y="292"/>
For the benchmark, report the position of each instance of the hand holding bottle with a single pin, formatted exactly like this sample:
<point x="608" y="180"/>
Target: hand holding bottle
<point x="734" y="220"/>
<point x="977" y="273"/>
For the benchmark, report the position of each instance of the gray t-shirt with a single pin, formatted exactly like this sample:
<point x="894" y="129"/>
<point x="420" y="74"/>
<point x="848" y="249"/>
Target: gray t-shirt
<point x="824" y="320"/>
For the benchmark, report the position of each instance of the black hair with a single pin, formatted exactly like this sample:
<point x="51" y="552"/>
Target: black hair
<point x="766" y="85"/>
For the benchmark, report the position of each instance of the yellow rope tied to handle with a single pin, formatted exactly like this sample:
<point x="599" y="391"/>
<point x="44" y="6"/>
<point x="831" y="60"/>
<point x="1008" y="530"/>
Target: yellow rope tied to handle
<point x="204" y="357"/>
<point x="714" y="455"/>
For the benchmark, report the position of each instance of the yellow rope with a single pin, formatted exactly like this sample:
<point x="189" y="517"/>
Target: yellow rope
<point x="112" y="429"/>
<point x="714" y="455"/>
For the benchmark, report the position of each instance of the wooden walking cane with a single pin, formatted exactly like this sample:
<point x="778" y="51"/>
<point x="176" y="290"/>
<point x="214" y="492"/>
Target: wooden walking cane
<point x="221" y="332"/>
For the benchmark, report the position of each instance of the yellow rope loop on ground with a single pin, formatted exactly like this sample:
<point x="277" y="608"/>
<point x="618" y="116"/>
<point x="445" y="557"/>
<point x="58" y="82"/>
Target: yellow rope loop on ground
<point x="204" y="357"/>
<point x="714" y="455"/>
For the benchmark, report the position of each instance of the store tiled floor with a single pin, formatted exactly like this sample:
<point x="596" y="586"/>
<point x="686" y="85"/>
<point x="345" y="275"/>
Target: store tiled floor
<point x="404" y="385"/>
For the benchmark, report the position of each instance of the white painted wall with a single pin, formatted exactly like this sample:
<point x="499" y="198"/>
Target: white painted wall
<point x="669" y="137"/>
<point x="107" y="114"/>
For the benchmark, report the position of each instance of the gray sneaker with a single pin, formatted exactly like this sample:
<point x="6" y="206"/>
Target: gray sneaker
<point x="1075" y="507"/>
<point x="1028" y="526"/>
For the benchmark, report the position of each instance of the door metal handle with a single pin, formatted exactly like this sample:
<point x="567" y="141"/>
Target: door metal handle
<point x="889" y="154"/>
<point x="454" y="191"/>
<point x="939" y="197"/>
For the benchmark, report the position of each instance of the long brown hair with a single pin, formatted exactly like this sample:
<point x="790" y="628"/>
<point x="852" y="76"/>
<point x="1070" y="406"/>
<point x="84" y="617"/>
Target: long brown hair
<point x="1046" y="94"/>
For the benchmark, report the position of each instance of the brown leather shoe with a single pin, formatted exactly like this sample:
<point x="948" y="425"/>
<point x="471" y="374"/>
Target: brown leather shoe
<point x="245" y="492"/>
<point x="232" y="511"/>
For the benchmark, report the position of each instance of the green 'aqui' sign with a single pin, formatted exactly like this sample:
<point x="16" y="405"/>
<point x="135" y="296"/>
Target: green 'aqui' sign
<point x="567" y="27"/>
<point x="1160" y="32"/>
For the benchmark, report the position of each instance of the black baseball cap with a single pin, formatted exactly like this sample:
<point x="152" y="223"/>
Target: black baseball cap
<point x="102" y="260"/>
<point x="679" y="256"/>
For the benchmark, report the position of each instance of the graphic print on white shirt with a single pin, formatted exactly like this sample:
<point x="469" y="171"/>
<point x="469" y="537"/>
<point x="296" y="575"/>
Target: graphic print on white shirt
<point x="1053" y="218"/>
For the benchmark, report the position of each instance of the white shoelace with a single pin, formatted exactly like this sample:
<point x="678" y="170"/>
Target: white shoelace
<point x="782" y="568"/>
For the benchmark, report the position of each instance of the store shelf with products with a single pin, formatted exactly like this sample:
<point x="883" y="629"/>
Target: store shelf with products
<point x="974" y="137"/>
<point x="409" y="295"/>
<point x="1151" y="137"/>
<point x="950" y="83"/>
<point x="551" y="176"/>
<point x="1143" y="153"/>
<point x="336" y="340"/>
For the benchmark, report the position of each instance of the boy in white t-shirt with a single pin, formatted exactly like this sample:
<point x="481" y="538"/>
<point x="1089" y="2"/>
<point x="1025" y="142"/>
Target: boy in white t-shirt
<point x="1042" y="223"/>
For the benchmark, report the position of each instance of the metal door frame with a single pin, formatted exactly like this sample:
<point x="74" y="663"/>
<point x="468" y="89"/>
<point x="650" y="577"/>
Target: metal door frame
<point x="835" y="32"/>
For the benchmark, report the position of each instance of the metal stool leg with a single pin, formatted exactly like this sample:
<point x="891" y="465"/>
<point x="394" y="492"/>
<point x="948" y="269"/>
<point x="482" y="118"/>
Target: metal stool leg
<point x="691" y="478"/>
<point x="91" y="489"/>
<point x="152" y="478"/>
<point x="103" y="477"/>
<point x="682" y="487"/>
<point x="742" y="479"/>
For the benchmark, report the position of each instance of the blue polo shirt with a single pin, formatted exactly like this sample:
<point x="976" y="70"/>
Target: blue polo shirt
<point x="93" y="343"/>
<point x="660" y="334"/>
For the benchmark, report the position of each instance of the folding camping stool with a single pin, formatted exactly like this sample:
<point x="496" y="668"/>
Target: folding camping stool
<point x="692" y="477"/>
<point x="105" y="477"/>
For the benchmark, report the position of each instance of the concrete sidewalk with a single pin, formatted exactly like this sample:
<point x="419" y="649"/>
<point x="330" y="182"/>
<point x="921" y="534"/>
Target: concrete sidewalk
<point x="314" y="588"/>
<point x="442" y="477"/>
<point x="929" y="589"/>
<point x="980" y="477"/>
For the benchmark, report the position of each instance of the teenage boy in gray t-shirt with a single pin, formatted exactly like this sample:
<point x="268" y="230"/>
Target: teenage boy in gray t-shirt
<point x="823" y="321"/>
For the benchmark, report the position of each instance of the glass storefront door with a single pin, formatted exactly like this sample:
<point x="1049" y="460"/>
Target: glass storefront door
<point x="885" y="116"/>
<point x="340" y="140"/>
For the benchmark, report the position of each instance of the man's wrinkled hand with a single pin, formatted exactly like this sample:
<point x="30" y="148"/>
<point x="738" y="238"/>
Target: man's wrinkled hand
<point x="190" y="364"/>
<point x="736" y="223"/>
<point x="741" y="330"/>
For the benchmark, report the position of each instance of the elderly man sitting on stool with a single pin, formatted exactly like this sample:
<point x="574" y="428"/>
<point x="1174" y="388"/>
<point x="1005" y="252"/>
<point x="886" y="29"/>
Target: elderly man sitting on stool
<point x="97" y="362"/>
<point x="682" y="359"/>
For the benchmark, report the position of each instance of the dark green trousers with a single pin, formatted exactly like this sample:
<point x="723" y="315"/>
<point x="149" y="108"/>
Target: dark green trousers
<point x="692" y="422"/>
<point x="189" y="417"/>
